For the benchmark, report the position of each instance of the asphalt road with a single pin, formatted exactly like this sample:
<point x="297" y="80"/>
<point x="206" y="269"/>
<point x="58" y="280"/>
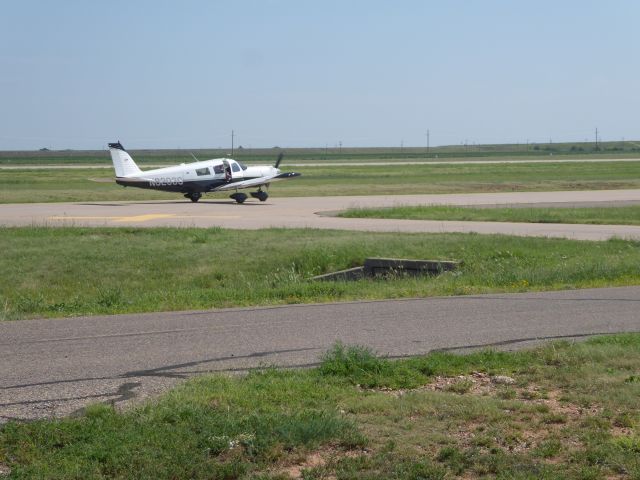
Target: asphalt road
<point x="55" y="367"/>
<point x="306" y="212"/>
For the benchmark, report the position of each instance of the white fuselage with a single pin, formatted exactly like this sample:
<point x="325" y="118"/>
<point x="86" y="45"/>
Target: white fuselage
<point x="204" y="176"/>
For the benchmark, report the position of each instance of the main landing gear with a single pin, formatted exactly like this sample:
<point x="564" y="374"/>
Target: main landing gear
<point x="194" y="196"/>
<point x="239" y="197"/>
<point x="260" y="195"/>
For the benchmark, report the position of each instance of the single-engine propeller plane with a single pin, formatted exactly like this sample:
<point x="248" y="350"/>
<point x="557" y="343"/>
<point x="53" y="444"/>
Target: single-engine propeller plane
<point x="194" y="179"/>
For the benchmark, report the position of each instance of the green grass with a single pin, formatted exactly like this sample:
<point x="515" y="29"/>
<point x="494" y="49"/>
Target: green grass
<point x="332" y="154"/>
<point x="572" y="414"/>
<point x="20" y="186"/>
<point x="54" y="272"/>
<point x="629" y="215"/>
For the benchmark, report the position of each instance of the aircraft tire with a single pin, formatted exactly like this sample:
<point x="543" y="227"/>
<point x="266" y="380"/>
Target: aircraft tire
<point x="239" y="197"/>
<point x="260" y="195"/>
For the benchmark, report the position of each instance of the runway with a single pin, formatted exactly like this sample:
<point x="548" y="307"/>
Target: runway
<point x="55" y="367"/>
<point x="307" y="212"/>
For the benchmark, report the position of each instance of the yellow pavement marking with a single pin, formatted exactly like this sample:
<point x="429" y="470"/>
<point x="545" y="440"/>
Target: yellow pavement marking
<point x="144" y="218"/>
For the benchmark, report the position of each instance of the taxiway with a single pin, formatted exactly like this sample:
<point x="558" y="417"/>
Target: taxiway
<point x="310" y="212"/>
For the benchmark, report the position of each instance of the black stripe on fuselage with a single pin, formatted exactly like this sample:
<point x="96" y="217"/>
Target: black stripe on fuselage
<point x="190" y="186"/>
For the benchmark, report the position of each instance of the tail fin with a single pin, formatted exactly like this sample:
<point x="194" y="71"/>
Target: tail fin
<point x="122" y="161"/>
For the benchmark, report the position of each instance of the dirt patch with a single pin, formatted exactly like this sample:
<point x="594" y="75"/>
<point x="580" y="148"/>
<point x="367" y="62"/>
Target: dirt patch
<point x="621" y="431"/>
<point x="478" y="384"/>
<point x="319" y="459"/>
<point x="5" y="471"/>
<point x="544" y="423"/>
<point x="314" y="460"/>
<point x="572" y="411"/>
<point x="504" y="387"/>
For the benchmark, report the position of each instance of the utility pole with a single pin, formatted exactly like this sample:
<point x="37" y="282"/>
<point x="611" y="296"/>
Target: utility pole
<point x="232" y="135"/>
<point x="427" y="141"/>
<point x="596" y="138"/>
<point x="340" y="144"/>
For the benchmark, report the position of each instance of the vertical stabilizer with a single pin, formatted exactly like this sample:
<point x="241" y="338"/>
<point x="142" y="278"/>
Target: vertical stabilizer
<point x="122" y="161"/>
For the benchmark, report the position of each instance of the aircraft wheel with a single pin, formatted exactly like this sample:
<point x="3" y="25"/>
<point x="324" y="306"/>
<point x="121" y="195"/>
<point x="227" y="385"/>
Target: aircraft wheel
<point x="194" y="197"/>
<point x="260" y="195"/>
<point x="239" y="197"/>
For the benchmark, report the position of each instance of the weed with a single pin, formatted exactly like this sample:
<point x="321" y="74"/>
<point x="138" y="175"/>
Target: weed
<point x="507" y="393"/>
<point x="632" y="379"/>
<point x="460" y="386"/>
<point x="548" y="448"/>
<point x="359" y="365"/>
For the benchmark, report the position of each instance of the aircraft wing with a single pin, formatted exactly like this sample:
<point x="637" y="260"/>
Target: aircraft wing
<point x="255" y="182"/>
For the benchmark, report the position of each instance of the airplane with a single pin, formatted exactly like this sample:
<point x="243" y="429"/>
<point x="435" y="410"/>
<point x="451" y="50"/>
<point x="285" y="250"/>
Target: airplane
<point x="195" y="178"/>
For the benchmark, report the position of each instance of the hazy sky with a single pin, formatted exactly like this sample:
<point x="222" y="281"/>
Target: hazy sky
<point x="78" y="74"/>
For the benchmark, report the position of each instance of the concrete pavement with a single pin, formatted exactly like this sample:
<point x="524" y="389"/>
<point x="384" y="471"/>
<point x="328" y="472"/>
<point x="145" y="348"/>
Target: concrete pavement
<point x="303" y="212"/>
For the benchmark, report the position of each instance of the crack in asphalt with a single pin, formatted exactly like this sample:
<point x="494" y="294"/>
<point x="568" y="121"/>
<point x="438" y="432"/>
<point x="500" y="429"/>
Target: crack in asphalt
<point x="129" y="390"/>
<point x="157" y="372"/>
<point x="160" y="371"/>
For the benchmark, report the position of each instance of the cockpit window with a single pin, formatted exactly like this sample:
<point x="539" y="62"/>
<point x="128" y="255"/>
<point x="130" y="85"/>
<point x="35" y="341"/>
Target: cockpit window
<point x="235" y="167"/>
<point x="203" y="171"/>
<point x="218" y="169"/>
<point x="242" y="165"/>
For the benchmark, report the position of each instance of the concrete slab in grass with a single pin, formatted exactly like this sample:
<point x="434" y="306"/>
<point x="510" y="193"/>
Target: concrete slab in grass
<point x="378" y="267"/>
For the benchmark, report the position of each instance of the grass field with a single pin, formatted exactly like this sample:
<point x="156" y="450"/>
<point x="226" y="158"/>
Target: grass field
<point x="627" y="149"/>
<point x="629" y="215"/>
<point x="21" y="186"/>
<point x="561" y="411"/>
<point x="54" y="272"/>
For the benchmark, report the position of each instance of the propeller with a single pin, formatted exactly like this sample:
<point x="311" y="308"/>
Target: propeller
<point x="194" y="157"/>
<point x="279" y="160"/>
